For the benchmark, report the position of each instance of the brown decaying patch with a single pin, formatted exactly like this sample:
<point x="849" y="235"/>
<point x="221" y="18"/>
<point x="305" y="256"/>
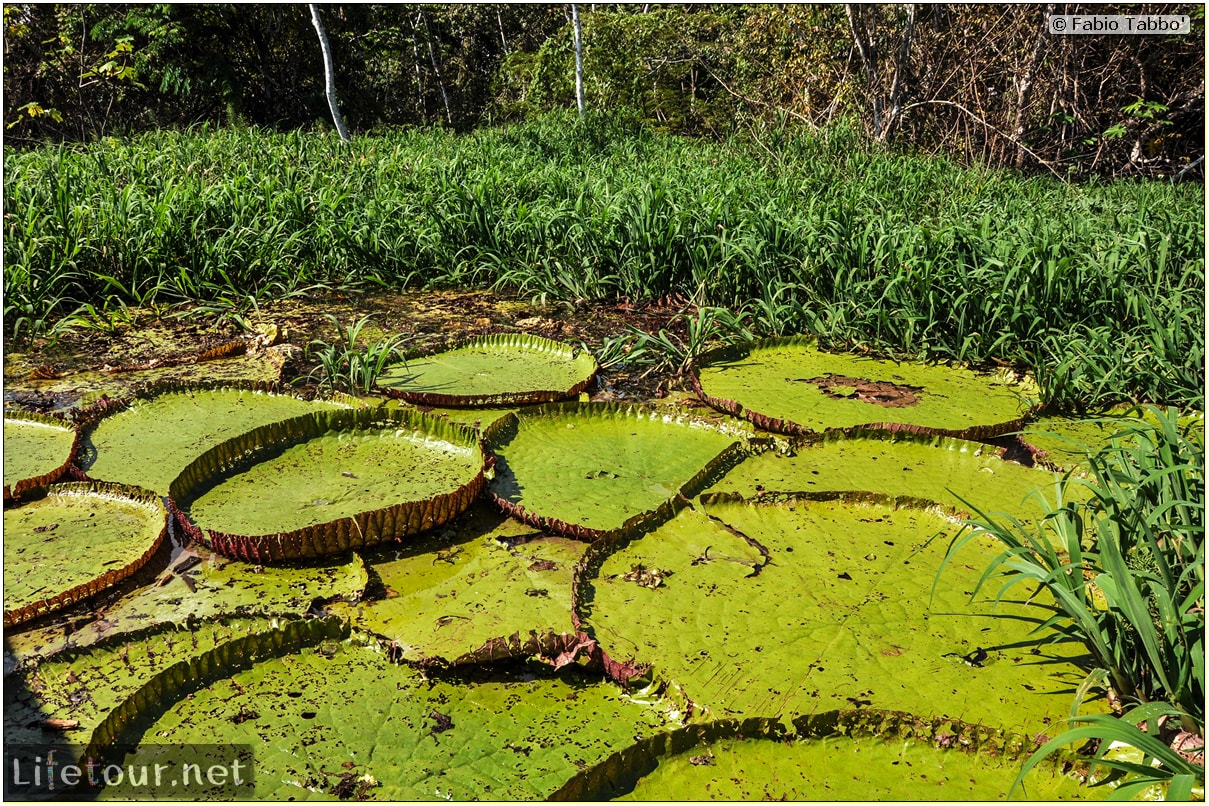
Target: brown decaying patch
<point x="880" y="393"/>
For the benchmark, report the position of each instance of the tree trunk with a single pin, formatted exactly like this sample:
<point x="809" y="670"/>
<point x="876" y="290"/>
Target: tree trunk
<point x="329" y="73"/>
<point x="866" y="45"/>
<point x="1025" y="89"/>
<point x="900" y="68"/>
<point x="579" y="59"/>
<point x="436" y="68"/>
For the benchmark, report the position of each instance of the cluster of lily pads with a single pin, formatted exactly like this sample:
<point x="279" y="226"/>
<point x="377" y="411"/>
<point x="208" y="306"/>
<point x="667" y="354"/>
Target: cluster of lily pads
<point x="480" y="585"/>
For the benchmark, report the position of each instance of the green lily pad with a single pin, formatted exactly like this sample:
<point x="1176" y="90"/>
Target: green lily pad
<point x="493" y="371"/>
<point x="794" y="605"/>
<point x="329" y="481"/>
<point x="588" y="470"/>
<point x="38" y="450"/>
<point x="150" y="441"/>
<point x="1063" y="441"/>
<point x="843" y="768"/>
<point x="792" y="387"/>
<point x="216" y="587"/>
<point x="84" y="686"/>
<point x="454" y="591"/>
<point x="340" y="715"/>
<point x="73" y="542"/>
<point x="942" y="469"/>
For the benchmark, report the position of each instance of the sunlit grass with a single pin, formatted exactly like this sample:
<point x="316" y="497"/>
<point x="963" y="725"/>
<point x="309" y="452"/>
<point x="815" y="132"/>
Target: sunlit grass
<point x="1098" y="290"/>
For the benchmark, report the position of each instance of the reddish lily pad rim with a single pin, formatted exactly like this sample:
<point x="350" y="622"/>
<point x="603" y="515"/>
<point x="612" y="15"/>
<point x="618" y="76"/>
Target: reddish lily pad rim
<point x="361" y="531"/>
<point x="22" y="486"/>
<point x="107" y="580"/>
<point x="778" y="425"/>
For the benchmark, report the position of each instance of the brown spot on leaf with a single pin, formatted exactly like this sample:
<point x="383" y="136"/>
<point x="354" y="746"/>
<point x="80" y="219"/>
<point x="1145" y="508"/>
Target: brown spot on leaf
<point x="880" y="393"/>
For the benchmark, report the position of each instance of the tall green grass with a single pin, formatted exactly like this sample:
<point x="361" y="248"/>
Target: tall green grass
<point x="1125" y="566"/>
<point x="1098" y="289"/>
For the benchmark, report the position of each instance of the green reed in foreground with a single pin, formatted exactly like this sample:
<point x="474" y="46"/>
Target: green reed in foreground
<point x="1097" y="289"/>
<point x="1126" y="571"/>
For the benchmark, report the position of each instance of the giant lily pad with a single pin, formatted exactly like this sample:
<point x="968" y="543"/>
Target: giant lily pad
<point x="1064" y="441"/>
<point x="329" y="481"/>
<point x="73" y="542"/>
<point x="493" y="371"/>
<point x="844" y="768"/>
<point x="792" y="387"/>
<point x="148" y="440"/>
<point x="80" y="688"/>
<point x="455" y="592"/>
<point x="38" y="450"/>
<point x="950" y="471"/>
<point x="588" y="470"/>
<point x="339" y="718"/>
<point x="201" y="585"/>
<point x="795" y="605"/>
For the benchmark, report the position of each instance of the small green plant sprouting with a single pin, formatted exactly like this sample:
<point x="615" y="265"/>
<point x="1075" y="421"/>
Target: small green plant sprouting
<point x="667" y="351"/>
<point x="346" y="366"/>
<point x="1126" y="571"/>
<point x="616" y="351"/>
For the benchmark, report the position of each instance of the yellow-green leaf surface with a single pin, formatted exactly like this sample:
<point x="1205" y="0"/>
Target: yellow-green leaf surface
<point x="493" y="370"/>
<point x="75" y="541"/>
<point x="35" y="448"/>
<point x="839" y="615"/>
<point x="841" y="768"/>
<point x="334" y="475"/>
<point x="941" y="469"/>
<point x="342" y="708"/>
<point x="791" y="380"/>
<point x="220" y="587"/>
<point x="454" y="590"/>
<point x="1064" y="440"/>
<point x="149" y="443"/>
<point x="599" y="465"/>
<point x="85" y="686"/>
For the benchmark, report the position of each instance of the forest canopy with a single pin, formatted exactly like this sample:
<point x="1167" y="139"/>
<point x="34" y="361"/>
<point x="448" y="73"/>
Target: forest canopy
<point x="982" y="83"/>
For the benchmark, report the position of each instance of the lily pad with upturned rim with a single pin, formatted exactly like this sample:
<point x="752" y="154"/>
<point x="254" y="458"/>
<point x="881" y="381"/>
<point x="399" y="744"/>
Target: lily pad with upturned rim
<point x="846" y="768"/>
<point x="75" y="541"/>
<point x="493" y="371"/>
<point x="953" y="472"/>
<point x="454" y="592"/>
<point x="327" y="482"/>
<point x="341" y="709"/>
<point x="216" y="587"/>
<point x="38" y="450"/>
<point x="798" y="603"/>
<point x="593" y="469"/>
<point x="149" y="439"/>
<point x="790" y="386"/>
<point x="1064" y="441"/>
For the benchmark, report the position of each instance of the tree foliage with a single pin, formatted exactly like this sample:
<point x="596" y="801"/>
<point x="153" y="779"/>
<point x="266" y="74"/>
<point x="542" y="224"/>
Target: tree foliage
<point x="985" y="83"/>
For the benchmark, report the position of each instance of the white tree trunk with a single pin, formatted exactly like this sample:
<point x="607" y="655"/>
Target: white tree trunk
<point x="329" y="73"/>
<point x="579" y="59"/>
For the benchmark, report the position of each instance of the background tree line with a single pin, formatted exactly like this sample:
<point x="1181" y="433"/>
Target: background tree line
<point x="983" y="83"/>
